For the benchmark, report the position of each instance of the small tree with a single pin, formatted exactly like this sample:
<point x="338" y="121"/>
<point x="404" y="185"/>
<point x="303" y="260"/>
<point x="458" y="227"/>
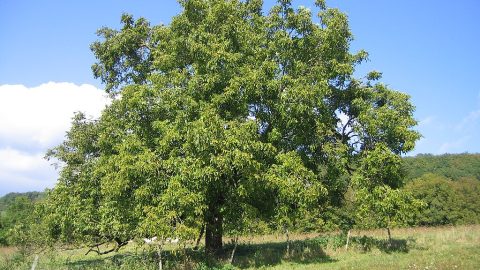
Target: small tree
<point x="378" y="199"/>
<point x="385" y="207"/>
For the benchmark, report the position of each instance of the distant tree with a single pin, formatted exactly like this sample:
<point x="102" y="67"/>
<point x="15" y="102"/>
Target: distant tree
<point x="439" y="194"/>
<point x="17" y="222"/>
<point x="223" y="116"/>
<point x="9" y="199"/>
<point x="3" y="232"/>
<point x="468" y="190"/>
<point x="448" y="201"/>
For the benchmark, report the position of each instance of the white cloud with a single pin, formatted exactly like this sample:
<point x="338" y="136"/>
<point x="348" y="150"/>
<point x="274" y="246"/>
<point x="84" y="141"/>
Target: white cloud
<point x="21" y="171"/>
<point x="457" y="146"/>
<point x="39" y="116"/>
<point x="16" y="161"/>
<point x="469" y="121"/>
<point x="450" y="134"/>
<point x="35" y="119"/>
<point x="425" y="121"/>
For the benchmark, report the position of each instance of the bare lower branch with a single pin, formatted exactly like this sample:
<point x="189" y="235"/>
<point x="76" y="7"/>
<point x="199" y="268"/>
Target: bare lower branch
<point x="97" y="246"/>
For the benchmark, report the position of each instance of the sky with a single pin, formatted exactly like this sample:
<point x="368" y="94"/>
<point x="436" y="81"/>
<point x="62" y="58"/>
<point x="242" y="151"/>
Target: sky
<point x="428" y="49"/>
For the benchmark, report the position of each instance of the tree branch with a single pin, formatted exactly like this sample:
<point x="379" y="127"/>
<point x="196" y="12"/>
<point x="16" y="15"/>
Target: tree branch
<point x="97" y="246"/>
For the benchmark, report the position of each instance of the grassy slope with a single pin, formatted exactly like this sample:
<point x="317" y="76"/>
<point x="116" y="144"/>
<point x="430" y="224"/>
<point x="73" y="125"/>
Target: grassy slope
<point x="427" y="248"/>
<point x="433" y="248"/>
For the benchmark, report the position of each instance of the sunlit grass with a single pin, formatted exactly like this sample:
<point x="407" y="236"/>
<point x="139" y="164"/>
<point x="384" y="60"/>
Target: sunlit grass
<point x="429" y="248"/>
<point x="413" y="248"/>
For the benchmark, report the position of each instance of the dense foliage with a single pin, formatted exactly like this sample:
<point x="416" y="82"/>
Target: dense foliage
<point x="225" y="118"/>
<point x="451" y="166"/>
<point x="8" y="199"/>
<point x="447" y="201"/>
<point x="16" y="216"/>
<point x="16" y="212"/>
<point x="448" y="184"/>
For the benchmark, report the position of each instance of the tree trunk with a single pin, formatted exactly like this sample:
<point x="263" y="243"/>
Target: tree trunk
<point x="389" y="238"/>
<point x="288" y="242"/>
<point x="213" y="229"/>
<point x="202" y="230"/>
<point x="348" y="240"/>
<point x="235" y="243"/>
<point x="160" y="260"/>
<point x="35" y="262"/>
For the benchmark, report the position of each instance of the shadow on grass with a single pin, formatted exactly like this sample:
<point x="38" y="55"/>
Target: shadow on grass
<point x="144" y="259"/>
<point x="310" y="251"/>
<point x="270" y="254"/>
<point x="103" y="262"/>
<point x="251" y="255"/>
<point x="366" y="243"/>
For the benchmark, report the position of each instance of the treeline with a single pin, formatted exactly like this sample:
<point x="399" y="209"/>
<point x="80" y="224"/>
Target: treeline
<point x="10" y="198"/>
<point x="447" y="201"/>
<point x="448" y="185"/>
<point x="16" y="211"/>
<point x="451" y="166"/>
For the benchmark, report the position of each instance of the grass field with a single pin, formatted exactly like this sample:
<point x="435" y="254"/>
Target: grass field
<point x="412" y="248"/>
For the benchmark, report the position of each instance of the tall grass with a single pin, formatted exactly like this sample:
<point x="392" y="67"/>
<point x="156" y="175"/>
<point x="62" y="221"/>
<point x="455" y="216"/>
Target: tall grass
<point x="412" y="248"/>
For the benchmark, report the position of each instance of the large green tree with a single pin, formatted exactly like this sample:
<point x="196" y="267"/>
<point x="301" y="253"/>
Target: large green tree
<point x="225" y="116"/>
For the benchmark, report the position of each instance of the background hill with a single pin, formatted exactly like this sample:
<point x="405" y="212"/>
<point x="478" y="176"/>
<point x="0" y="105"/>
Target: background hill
<point x="452" y="166"/>
<point x="9" y="198"/>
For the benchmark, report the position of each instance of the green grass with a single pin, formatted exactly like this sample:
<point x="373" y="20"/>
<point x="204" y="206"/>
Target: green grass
<point x="413" y="248"/>
<point x="427" y="248"/>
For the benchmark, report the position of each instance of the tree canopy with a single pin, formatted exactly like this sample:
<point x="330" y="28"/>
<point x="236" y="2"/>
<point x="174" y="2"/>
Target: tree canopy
<point x="226" y="116"/>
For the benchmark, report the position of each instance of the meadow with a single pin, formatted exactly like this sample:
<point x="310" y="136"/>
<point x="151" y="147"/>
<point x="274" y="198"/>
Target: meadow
<point x="449" y="247"/>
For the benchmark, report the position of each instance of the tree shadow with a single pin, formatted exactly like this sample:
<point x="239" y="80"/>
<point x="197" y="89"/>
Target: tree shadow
<point x="145" y="259"/>
<point x="366" y="243"/>
<point x="259" y="255"/>
<point x="270" y="254"/>
<point x="101" y="261"/>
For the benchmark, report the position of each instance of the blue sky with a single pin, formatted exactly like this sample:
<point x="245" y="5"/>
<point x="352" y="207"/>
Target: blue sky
<point x="428" y="49"/>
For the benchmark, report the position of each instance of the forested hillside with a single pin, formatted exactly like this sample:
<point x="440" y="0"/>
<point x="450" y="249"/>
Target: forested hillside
<point x="448" y="184"/>
<point x="452" y="166"/>
<point x="9" y="198"/>
<point x="15" y="209"/>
